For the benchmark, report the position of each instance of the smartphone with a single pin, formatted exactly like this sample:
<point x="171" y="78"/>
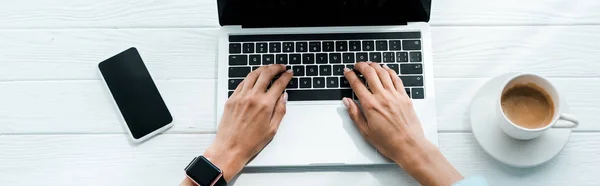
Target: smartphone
<point x="143" y="110"/>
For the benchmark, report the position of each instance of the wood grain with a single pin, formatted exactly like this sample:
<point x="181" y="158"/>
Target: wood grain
<point x="555" y="51"/>
<point x="86" y="106"/>
<point x="203" y="13"/>
<point x="111" y="160"/>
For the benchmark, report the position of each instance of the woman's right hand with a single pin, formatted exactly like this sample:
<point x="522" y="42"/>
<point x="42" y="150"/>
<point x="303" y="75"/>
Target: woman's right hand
<point x="389" y="122"/>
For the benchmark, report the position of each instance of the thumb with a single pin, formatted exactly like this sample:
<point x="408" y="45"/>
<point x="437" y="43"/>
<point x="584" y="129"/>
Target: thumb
<point x="279" y="111"/>
<point x="356" y="115"/>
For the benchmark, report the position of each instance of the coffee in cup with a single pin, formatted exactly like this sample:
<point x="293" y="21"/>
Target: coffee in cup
<point x="529" y="105"/>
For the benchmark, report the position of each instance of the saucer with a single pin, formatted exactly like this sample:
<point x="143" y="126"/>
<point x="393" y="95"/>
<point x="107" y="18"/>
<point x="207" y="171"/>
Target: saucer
<point x="510" y="151"/>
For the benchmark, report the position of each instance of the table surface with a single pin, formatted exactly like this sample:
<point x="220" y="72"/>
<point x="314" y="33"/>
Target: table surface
<point x="58" y="125"/>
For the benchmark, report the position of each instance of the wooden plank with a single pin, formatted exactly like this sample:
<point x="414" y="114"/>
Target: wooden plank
<point x="91" y="159"/>
<point x="203" y="13"/>
<point x="75" y="54"/>
<point x="109" y="14"/>
<point x="555" y="51"/>
<point x="86" y="106"/>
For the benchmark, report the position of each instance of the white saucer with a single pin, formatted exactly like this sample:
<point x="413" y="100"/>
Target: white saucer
<point x="510" y="151"/>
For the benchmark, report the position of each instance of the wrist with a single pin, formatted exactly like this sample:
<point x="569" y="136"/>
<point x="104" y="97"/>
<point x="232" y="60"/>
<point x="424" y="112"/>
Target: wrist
<point x="228" y="160"/>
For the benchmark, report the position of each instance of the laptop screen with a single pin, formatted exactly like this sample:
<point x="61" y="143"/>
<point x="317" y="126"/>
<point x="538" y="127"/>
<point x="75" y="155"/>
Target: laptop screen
<point x="291" y="13"/>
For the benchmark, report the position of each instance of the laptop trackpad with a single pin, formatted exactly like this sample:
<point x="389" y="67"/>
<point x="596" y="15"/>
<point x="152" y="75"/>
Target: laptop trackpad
<point x="317" y="135"/>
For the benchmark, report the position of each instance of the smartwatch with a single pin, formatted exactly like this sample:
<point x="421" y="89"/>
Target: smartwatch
<point x="204" y="173"/>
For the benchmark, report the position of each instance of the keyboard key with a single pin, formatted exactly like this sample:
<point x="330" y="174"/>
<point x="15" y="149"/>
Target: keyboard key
<point x="388" y="57"/>
<point x="261" y="48"/>
<point x="348" y="58"/>
<point x="411" y="81"/>
<point x="304" y="83"/>
<point x="254" y="68"/>
<point x="321" y="58"/>
<point x="351" y="67"/>
<point x="344" y="82"/>
<point x="411" y="44"/>
<point x="328" y="46"/>
<point x="238" y="71"/>
<point x="395" y="45"/>
<point x="394" y="67"/>
<point x="238" y="60"/>
<point x="275" y="47"/>
<point x="418" y="93"/>
<point x="415" y="57"/>
<point x="319" y="82"/>
<point x="288" y="47"/>
<point x="293" y="83"/>
<point x="233" y="83"/>
<point x="335" y="58"/>
<point x="368" y="45"/>
<point x="235" y="48"/>
<point x="254" y="59"/>
<point x="341" y="46"/>
<point x="401" y="57"/>
<point x="308" y="58"/>
<point x="287" y="67"/>
<point x="338" y="70"/>
<point x="248" y="47"/>
<point x="332" y="82"/>
<point x="407" y="91"/>
<point x="318" y="95"/>
<point x="325" y="70"/>
<point x="354" y="45"/>
<point x="314" y="46"/>
<point x="411" y="68"/>
<point x="301" y="46"/>
<point x="298" y="70"/>
<point x="281" y="59"/>
<point x="381" y="45"/>
<point x="362" y="57"/>
<point x="375" y="56"/>
<point x="268" y="59"/>
<point x="295" y="59"/>
<point x="312" y="70"/>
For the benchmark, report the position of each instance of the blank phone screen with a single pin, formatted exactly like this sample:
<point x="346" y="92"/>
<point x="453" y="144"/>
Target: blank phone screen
<point x="135" y="93"/>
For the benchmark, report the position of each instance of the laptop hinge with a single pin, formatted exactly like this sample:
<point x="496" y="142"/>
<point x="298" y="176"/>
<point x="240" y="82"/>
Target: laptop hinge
<point x="314" y="25"/>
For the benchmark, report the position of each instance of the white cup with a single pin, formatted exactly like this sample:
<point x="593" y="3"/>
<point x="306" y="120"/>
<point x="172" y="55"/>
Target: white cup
<point x="523" y="133"/>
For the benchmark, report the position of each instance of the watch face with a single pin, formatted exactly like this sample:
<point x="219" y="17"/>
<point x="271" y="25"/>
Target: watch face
<point x="203" y="172"/>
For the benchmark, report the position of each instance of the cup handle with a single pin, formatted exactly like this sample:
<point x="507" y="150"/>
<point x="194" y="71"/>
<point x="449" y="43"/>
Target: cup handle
<point x="567" y="117"/>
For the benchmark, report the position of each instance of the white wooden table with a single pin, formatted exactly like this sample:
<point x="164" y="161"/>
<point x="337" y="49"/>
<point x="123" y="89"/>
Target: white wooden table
<point x="58" y="127"/>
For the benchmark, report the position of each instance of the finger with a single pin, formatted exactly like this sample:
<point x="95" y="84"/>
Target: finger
<point x="357" y="116"/>
<point x="370" y="75"/>
<point x="358" y="86"/>
<point x="279" y="112"/>
<point x="384" y="76"/>
<point x="238" y="89"/>
<point x="252" y="77"/>
<point x="266" y="76"/>
<point x="399" y="86"/>
<point x="280" y="84"/>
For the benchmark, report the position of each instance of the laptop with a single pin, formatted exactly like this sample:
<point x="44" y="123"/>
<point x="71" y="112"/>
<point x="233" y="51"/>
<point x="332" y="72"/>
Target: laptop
<point x="317" y="39"/>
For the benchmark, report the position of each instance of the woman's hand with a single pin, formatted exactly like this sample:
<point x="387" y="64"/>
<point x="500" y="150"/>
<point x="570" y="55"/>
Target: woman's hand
<point x="389" y="122"/>
<point x="251" y="118"/>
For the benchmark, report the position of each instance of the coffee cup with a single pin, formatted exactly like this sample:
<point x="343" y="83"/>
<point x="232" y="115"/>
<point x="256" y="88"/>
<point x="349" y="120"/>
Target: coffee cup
<point x="529" y="105"/>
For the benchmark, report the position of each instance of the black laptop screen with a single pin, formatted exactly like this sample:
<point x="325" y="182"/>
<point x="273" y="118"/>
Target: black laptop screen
<point x="289" y="13"/>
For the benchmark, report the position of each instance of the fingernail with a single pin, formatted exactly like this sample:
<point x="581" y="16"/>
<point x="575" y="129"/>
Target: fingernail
<point x="385" y="66"/>
<point x="270" y="65"/>
<point x="346" y="69"/>
<point x="369" y="62"/>
<point x="289" y="71"/>
<point x="346" y="103"/>
<point x="285" y="97"/>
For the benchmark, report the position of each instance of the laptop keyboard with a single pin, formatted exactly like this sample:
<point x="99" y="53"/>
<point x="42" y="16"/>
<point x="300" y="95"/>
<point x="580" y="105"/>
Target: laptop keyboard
<point x="318" y="60"/>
